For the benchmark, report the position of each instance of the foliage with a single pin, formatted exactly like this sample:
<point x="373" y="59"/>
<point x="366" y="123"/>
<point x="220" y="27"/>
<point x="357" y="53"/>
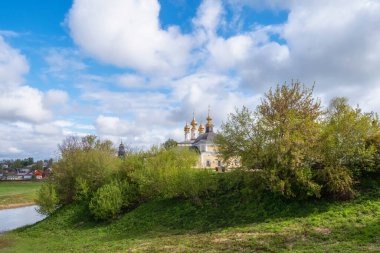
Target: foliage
<point x="107" y="201"/>
<point x="301" y="150"/>
<point x="280" y="137"/>
<point x="345" y="139"/>
<point x="86" y="158"/>
<point x="47" y="199"/>
<point x="83" y="190"/>
<point x="169" y="143"/>
<point x="169" y="173"/>
<point x="337" y="182"/>
<point x="130" y="194"/>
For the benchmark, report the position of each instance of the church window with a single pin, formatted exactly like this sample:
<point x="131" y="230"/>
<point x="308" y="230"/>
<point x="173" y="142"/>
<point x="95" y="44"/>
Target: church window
<point x="208" y="163"/>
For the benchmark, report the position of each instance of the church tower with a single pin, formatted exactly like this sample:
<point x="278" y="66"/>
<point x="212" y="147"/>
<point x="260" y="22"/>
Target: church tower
<point x="121" y="152"/>
<point x="193" y="128"/>
<point x="209" y="125"/>
<point x="201" y="129"/>
<point x="186" y="129"/>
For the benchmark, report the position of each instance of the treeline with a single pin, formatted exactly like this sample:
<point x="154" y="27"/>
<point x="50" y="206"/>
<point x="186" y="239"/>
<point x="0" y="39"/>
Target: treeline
<point x="22" y="163"/>
<point x="300" y="149"/>
<point x="289" y="146"/>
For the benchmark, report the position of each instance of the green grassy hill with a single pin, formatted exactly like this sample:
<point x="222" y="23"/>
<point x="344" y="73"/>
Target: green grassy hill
<point x="227" y="224"/>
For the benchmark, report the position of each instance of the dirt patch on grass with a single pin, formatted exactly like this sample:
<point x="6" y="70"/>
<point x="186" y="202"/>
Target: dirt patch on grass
<point x="322" y="230"/>
<point x="5" y="243"/>
<point x="218" y="240"/>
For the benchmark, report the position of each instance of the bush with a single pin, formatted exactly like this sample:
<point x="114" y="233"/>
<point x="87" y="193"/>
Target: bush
<point x="130" y="194"/>
<point x="107" y="201"/>
<point x="47" y="199"/>
<point x="83" y="158"/>
<point x="337" y="182"/>
<point x="169" y="173"/>
<point x="83" y="191"/>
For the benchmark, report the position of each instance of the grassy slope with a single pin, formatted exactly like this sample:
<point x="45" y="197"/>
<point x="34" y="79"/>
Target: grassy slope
<point x="225" y="225"/>
<point x="17" y="192"/>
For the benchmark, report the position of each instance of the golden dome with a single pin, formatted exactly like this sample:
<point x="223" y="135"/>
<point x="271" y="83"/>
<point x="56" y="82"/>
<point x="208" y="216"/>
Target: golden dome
<point x="209" y="119"/>
<point x="194" y="122"/>
<point x="186" y="128"/>
<point x="201" y="128"/>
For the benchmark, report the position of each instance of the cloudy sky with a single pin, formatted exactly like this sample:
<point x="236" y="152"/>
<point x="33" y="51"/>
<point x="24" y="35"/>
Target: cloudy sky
<point x="137" y="69"/>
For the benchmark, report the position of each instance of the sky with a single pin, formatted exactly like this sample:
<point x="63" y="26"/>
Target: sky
<point x="136" y="70"/>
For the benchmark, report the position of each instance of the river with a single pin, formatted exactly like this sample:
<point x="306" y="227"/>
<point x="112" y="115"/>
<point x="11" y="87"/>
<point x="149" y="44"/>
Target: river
<point x="18" y="217"/>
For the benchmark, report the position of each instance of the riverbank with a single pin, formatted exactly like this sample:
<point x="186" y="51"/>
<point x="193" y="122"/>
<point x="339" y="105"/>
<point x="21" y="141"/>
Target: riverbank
<point x="17" y="205"/>
<point x="18" y="194"/>
<point x="229" y="223"/>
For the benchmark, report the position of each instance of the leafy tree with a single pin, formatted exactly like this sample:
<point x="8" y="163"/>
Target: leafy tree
<point x="345" y="137"/>
<point x="39" y="165"/>
<point x="47" y="198"/>
<point x="170" y="143"/>
<point x="87" y="159"/>
<point x="280" y="137"/>
<point x="18" y="163"/>
<point x="348" y="147"/>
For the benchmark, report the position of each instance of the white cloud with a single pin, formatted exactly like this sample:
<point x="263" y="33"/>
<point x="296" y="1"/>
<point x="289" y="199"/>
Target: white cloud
<point x="23" y="103"/>
<point x="106" y="125"/>
<point x="63" y="62"/>
<point x="131" y="80"/>
<point x="128" y="34"/>
<point x="13" y="66"/>
<point x="209" y="16"/>
<point x="14" y="150"/>
<point x="56" y="97"/>
<point x="198" y="91"/>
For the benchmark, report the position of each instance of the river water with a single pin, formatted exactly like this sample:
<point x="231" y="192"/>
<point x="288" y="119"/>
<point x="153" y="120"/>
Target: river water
<point x="18" y="217"/>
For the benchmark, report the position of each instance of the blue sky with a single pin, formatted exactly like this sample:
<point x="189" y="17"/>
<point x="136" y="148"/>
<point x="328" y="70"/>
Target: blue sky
<point x="136" y="70"/>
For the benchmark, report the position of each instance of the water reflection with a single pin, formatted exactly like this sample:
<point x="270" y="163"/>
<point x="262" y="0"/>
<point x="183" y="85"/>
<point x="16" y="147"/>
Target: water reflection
<point x="18" y="217"/>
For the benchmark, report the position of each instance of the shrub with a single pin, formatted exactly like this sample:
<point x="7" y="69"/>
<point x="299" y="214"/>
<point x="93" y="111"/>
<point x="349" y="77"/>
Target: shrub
<point x="83" y="158"/>
<point x="47" y="199"/>
<point x="130" y="194"/>
<point x="83" y="191"/>
<point x="169" y="173"/>
<point x="337" y="182"/>
<point x="107" y="201"/>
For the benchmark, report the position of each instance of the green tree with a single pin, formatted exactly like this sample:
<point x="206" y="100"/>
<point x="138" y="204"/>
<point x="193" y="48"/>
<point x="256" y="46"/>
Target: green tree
<point x="348" y="148"/>
<point x="39" y="165"/>
<point x="83" y="159"/>
<point x="345" y="137"/>
<point x="170" y="143"/>
<point x="280" y="138"/>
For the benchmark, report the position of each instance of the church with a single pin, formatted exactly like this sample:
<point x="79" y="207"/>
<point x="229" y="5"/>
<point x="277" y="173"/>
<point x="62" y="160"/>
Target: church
<point x="202" y="140"/>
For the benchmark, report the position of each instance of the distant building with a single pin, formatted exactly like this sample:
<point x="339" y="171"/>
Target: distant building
<point x="203" y="142"/>
<point x="121" y="152"/>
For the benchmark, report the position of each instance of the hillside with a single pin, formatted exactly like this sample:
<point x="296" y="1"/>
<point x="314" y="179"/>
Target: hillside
<point x="225" y="224"/>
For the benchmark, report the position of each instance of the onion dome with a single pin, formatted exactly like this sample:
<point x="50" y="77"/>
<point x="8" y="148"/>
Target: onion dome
<point x="209" y="125"/>
<point x="194" y="122"/>
<point x="201" y="128"/>
<point x="186" y="128"/>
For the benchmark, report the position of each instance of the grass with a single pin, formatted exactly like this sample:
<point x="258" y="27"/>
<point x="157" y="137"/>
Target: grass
<point x="229" y="223"/>
<point x="17" y="193"/>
